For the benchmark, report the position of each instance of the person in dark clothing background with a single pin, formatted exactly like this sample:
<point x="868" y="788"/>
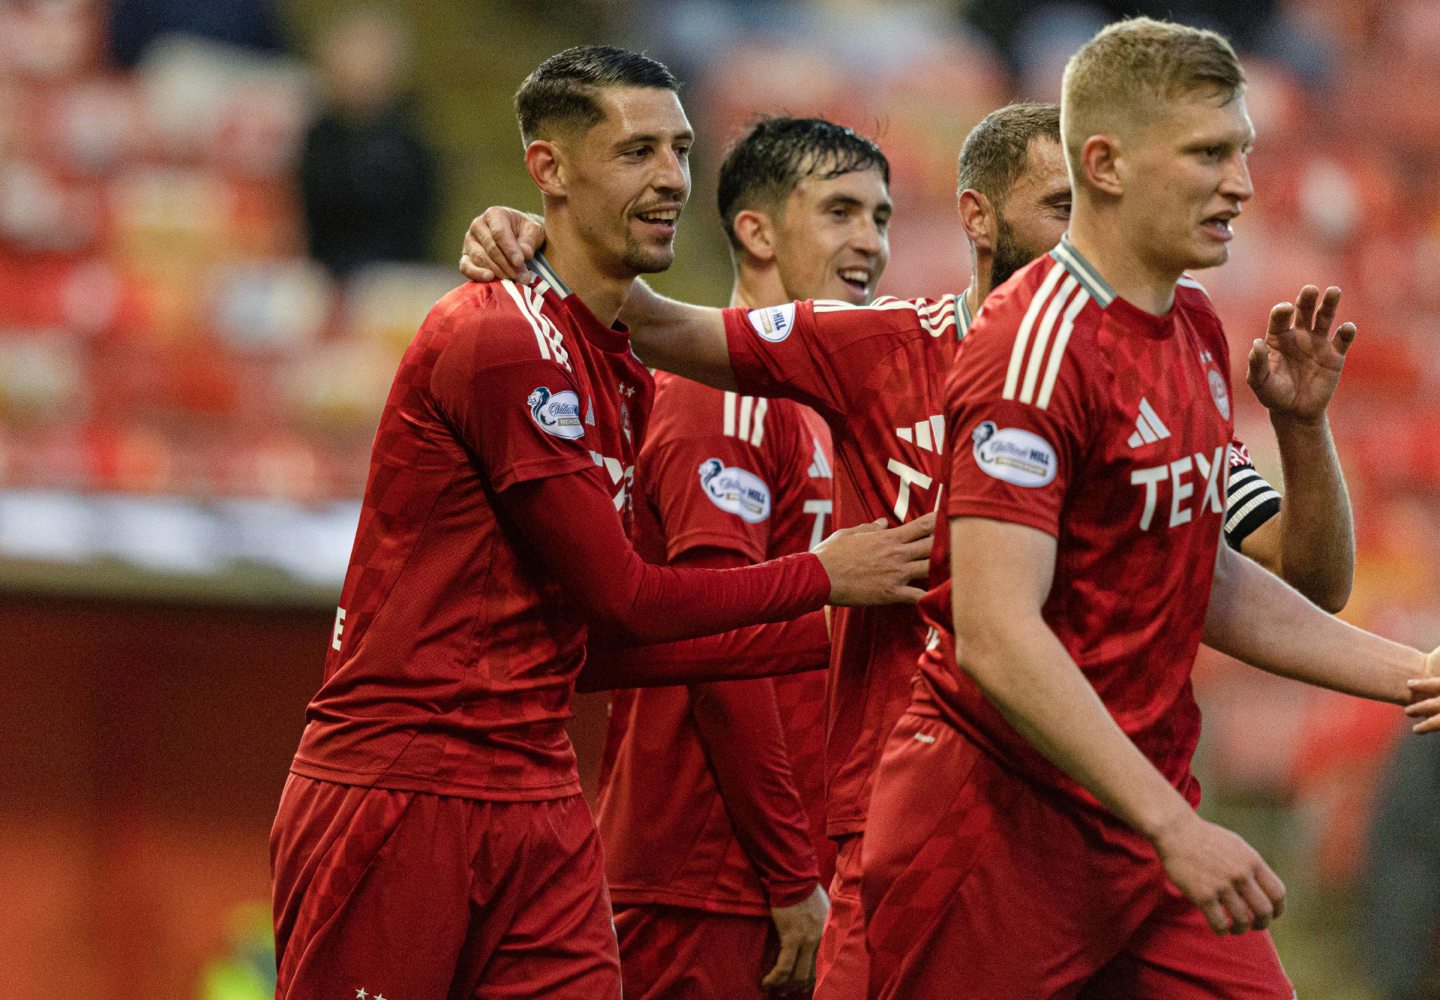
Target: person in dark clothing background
<point x="367" y="176"/>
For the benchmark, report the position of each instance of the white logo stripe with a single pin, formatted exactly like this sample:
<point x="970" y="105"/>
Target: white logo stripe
<point x="514" y="293"/>
<point x="747" y="406"/>
<point x="1042" y="337"/>
<point x="1154" y="418"/>
<point x="730" y="398"/>
<point x="758" y="433"/>
<point x="1057" y="353"/>
<point x="1017" y="353"/>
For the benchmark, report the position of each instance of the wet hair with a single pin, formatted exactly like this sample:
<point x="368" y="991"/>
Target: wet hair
<point x="775" y="154"/>
<point x="559" y="96"/>
<point x="997" y="150"/>
<point x="1125" y="75"/>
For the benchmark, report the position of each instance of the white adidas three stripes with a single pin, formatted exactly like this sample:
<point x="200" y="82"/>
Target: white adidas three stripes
<point x="1051" y="315"/>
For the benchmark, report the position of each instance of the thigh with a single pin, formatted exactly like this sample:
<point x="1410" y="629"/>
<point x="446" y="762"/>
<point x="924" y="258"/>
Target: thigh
<point x="673" y="953"/>
<point x="1174" y="955"/>
<point x="977" y="886"/>
<point x="369" y="891"/>
<point x="842" y="965"/>
<point x="540" y="913"/>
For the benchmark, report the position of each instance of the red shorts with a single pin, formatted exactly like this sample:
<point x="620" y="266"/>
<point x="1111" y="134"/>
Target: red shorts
<point x="410" y="895"/>
<point x="978" y="886"/>
<point x="674" y="953"/>
<point x="842" y="967"/>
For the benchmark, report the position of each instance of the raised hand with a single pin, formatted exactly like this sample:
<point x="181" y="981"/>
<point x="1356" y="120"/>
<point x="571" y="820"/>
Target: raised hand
<point x="498" y="243"/>
<point x="1294" y="370"/>
<point x="870" y="564"/>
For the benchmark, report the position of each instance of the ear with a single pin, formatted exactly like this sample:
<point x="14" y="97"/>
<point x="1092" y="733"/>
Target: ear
<point x="1100" y="162"/>
<point x="545" y="163"/>
<point x="756" y="233"/>
<point x="981" y="221"/>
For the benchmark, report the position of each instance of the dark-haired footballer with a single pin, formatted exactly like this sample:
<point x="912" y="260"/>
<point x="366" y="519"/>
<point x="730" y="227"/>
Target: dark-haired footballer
<point x="431" y="840"/>
<point x="716" y="871"/>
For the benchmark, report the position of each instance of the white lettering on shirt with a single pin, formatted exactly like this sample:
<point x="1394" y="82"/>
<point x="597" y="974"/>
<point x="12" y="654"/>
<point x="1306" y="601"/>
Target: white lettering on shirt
<point x="1182" y="489"/>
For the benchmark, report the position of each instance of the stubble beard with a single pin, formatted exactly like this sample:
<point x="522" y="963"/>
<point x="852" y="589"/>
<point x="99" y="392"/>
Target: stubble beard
<point x="642" y="259"/>
<point x="1009" y="256"/>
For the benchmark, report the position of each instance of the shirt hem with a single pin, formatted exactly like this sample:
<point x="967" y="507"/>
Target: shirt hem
<point x="417" y="783"/>
<point x="640" y="896"/>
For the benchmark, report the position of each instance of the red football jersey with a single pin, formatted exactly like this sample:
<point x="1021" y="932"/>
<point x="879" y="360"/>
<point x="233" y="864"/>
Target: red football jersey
<point x="876" y="375"/>
<point x="1073" y="412"/>
<point x="750" y="476"/>
<point x="455" y="651"/>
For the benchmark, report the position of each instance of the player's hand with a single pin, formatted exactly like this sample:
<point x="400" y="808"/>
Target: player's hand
<point x="1425" y="696"/>
<point x="869" y="564"/>
<point x="498" y="244"/>
<point x="1221" y="874"/>
<point x="799" y="930"/>
<point x="1295" y="369"/>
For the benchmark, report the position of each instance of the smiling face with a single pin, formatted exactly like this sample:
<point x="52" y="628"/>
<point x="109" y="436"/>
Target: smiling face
<point x="832" y="240"/>
<point x="627" y="178"/>
<point x="1035" y="211"/>
<point x="1185" y="177"/>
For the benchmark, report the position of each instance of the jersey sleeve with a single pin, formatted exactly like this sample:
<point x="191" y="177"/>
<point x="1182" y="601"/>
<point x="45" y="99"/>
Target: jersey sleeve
<point x="1016" y="420"/>
<point x="823" y="353"/>
<point x="711" y="485"/>
<point x="1250" y="501"/>
<point x="522" y="417"/>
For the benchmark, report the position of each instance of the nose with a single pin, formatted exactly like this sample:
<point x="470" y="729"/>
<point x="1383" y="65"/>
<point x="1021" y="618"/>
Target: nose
<point x="672" y="176"/>
<point x="1237" y="179"/>
<point x="869" y="238"/>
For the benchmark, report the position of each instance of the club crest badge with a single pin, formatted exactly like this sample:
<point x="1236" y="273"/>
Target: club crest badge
<point x="1219" y="393"/>
<point x="557" y="413"/>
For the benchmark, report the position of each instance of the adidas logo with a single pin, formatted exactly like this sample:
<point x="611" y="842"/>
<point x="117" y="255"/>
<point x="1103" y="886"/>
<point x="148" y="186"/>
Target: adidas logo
<point x="820" y="466"/>
<point x="1149" y="428"/>
<point x="928" y="435"/>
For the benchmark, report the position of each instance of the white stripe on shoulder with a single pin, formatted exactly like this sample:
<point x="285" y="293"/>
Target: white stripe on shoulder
<point x="1022" y="338"/>
<point x="1042" y="337"/>
<point x="513" y="291"/>
<point x="1057" y="353"/>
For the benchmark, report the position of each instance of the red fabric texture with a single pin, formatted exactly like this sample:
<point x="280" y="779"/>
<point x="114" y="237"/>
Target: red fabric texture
<point x="675" y="953"/>
<point x="977" y="885"/>
<point x="876" y="374"/>
<point x="842" y="965"/>
<point x="722" y="480"/>
<point x="408" y="894"/>
<point x="1137" y="511"/>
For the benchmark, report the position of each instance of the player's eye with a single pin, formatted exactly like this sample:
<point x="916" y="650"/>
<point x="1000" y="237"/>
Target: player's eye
<point x="639" y="153"/>
<point x="682" y="151"/>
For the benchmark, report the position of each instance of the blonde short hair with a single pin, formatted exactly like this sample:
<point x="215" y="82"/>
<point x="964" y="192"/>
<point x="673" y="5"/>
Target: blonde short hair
<point x="1119" y="76"/>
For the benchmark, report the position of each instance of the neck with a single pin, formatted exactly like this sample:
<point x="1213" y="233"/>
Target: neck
<point x="980" y="270"/>
<point x="1100" y="238"/>
<point x="602" y="290"/>
<point x="757" y="285"/>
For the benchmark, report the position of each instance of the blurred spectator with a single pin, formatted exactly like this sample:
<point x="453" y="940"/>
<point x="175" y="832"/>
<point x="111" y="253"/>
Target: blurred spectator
<point x="367" y="177"/>
<point x="1399" y="912"/>
<point x="134" y="24"/>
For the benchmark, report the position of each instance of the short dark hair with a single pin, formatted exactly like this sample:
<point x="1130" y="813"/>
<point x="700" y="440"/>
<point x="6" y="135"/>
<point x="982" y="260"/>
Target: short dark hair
<point x="996" y="151"/>
<point x="560" y="94"/>
<point x="764" y="164"/>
